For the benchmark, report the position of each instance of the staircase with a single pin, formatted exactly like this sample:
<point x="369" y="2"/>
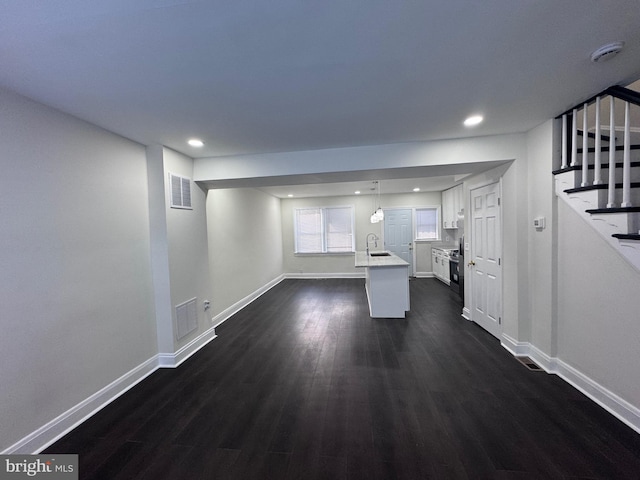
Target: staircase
<point x="599" y="176"/>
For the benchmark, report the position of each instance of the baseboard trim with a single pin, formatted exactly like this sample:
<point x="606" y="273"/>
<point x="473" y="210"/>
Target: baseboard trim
<point x="614" y="404"/>
<point x="424" y="275"/>
<point x="52" y="431"/>
<point x="240" y="304"/>
<point x="466" y="313"/>
<point x="173" y="360"/>
<point x="321" y="276"/>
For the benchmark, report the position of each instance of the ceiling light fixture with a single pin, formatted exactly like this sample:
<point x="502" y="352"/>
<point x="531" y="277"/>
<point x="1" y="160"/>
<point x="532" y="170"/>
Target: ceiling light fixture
<point x="290" y="195"/>
<point x="357" y="192"/>
<point x="378" y="214"/>
<point x="606" y="52"/>
<point x="473" y="120"/>
<point x="195" y="142"/>
<point x="416" y="189"/>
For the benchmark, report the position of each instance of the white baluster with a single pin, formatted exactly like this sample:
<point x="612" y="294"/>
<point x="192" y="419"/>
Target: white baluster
<point x="585" y="148"/>
<point x="626" y="160"/>
<point x="574" y="138"/>
<point x="597" y="173"/>
<point x="611" y="198"/>
<point x="564" y="141"/>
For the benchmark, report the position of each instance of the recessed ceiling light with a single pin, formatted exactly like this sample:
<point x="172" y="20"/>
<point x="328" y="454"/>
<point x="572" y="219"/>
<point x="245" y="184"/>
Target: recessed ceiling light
<point x="195" y="142"/>
<point x="290" y="195"/>
<point x="416" y="189"/>
<point x="473" y="120"/>
<point x="357" y="192"/>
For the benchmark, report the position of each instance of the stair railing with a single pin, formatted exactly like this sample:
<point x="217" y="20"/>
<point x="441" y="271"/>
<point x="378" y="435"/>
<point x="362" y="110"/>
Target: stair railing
<point x="571" y="152"/>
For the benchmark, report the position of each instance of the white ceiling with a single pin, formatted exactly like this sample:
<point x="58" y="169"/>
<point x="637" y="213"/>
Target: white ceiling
<point x="250" y="76"/>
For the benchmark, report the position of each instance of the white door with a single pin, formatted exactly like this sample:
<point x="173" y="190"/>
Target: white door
<point x="485" y="270"/>
<point x="398" y="234"/>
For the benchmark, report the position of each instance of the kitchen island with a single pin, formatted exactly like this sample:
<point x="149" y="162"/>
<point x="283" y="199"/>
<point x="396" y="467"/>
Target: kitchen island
<point x="387" y="283"/>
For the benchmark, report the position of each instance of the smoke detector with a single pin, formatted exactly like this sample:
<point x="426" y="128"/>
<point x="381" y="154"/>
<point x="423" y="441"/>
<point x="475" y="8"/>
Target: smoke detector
<point x="606" y="52"/>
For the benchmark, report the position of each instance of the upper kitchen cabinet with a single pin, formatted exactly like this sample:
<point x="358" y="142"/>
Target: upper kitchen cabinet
<point x="452" y="207"/>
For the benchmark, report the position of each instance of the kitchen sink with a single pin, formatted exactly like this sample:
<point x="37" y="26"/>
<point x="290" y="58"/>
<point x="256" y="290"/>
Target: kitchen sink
<point x="380" y="254"/>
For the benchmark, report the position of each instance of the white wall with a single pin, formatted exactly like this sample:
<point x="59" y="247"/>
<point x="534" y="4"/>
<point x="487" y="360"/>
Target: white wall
<point x="598" y="308"/>
<point x="188" y="247"/>
<point x="76" y="296"/>
<point x="245" y="244"/>
<point x="363" y="204"/>
<point x="351" y="161"/>
<point x="542" y="202"/>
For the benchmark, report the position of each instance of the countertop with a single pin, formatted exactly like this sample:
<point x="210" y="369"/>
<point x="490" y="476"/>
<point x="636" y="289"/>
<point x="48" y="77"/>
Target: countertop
<point x="364" y="260"/>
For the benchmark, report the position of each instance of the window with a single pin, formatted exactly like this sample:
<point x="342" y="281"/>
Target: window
<point x="324" y="230"/>
<point x="427" y="223"/>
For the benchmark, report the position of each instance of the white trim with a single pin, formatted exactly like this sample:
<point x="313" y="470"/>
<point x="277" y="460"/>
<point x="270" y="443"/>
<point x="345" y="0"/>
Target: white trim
<point x="515" y="348"/>
<point x="320" y="276"/>
<point x="240" y="304"/>
<point x="611" y="402"/>
<point x="173" y="360"/>
<point x="61" y="425"/>
<point x="424" y="275"/>
<point x="466" y="314"/>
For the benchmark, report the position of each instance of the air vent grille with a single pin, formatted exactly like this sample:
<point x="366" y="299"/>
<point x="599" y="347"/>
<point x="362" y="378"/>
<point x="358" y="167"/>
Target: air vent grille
<point x="186" y="318"/>
<point x="180" y="189"/>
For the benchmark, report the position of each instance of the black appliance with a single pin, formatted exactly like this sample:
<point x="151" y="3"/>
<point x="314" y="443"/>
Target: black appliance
<point x="461" y="268"/>
<point x="454" y="270"/>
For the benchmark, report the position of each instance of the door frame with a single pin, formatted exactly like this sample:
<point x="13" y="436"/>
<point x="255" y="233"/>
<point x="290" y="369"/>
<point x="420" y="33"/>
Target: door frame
<point x="469" y="278"/>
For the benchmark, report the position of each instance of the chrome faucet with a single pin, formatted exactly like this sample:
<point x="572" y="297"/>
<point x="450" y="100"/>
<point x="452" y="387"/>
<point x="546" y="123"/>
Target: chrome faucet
<point x="375" y="240"/>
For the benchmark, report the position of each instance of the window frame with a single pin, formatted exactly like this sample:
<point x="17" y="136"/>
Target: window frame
<point x="437" y="209"/>
<point x="324" y="231"/>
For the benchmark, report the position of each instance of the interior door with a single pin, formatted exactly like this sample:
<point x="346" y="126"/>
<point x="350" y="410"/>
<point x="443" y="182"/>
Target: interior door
<point x="485" y="270"/>
<point x="398" y="234"/>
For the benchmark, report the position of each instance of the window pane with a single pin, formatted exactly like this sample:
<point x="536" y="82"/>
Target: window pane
<point x="427" y="224"/>
<point x="308" y="230"/>
<point x="338" y="229"/>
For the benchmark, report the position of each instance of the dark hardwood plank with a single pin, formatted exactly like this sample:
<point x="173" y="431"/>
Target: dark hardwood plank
<point x="302" y="384"/>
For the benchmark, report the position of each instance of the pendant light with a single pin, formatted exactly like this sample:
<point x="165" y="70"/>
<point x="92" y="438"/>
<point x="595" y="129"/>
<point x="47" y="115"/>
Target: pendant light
<point x="378" y="214"/>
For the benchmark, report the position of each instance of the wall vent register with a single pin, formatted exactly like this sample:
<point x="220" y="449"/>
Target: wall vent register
<point x="180" y="189"/>
<point x="186" y="318"/>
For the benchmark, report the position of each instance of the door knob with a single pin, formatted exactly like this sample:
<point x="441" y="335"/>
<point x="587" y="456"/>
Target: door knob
<point x="471" y="264"/>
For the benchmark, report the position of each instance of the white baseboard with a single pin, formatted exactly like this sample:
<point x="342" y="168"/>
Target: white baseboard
<point x="320" y="276"/>
<point x="240" y="304"/>
<point x="615" y="405"/>
<point x="466" y="313"/>
<point x="61" y="425"/>
<point x="423" y="275"/>
<point x="517" y="349"/>
<point x="173" y="360"/>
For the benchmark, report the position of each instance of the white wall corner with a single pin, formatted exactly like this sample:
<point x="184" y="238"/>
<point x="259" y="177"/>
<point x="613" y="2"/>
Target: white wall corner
<point x="516" y="348"/>
<point x="173" y="360"/>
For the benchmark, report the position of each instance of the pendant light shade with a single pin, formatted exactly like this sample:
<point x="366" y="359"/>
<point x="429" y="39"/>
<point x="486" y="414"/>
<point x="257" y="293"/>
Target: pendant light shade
<point x="378" y="215"/>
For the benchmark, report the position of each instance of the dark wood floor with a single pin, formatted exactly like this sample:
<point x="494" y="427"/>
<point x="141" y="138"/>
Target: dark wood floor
<point x="302" y="384"/>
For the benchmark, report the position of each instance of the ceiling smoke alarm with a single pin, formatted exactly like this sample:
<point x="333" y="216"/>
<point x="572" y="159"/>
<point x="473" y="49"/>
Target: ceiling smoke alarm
<point x="606" y="52"/>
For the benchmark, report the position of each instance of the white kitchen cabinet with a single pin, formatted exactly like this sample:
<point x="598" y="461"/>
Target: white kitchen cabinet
<point x="452" y="207"/>
<point x="441" y="269"/>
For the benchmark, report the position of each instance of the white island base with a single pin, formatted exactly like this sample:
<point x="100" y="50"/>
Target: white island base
<point x="387" y="285"/>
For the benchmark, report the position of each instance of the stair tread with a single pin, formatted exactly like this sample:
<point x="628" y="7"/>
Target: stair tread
<point x="614" y="210"/>
<point x="591" y="167"/>
<point x="602" y="186"/>
<point x="627" y="236"/>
